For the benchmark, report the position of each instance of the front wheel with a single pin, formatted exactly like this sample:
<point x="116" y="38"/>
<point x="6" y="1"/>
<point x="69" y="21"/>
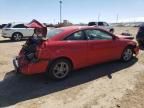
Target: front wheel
<point x="59" y="69"/>
<point x="127" y="54"/>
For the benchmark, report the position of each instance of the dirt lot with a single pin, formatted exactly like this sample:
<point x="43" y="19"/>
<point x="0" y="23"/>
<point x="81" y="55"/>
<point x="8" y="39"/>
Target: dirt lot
<point x="109" y="85"/>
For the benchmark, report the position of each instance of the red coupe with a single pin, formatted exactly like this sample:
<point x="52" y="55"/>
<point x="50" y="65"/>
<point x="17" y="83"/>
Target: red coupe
<point x="70" y="48"/>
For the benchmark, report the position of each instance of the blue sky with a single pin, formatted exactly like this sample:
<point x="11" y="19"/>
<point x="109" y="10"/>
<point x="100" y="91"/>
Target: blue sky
<point x="75" y="11"/>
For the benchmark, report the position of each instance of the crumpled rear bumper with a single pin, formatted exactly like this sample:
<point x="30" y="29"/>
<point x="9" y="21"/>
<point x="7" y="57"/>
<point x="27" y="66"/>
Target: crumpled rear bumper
<point x="16" y="64"/>
<point x="29" y="68"/>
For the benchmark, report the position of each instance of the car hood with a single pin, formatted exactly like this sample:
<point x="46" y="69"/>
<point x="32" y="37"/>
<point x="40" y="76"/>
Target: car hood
<point x="125" y="37"/>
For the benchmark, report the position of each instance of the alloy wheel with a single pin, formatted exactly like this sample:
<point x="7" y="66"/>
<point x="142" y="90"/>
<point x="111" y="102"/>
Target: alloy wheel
<point x="127" y="55"/>
<point x="60" y="70"/>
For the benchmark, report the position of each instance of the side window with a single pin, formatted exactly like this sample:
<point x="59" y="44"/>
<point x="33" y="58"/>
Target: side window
<point x="77" y="36"/>
<point x="19" y="26"/>
<point x="100" y="24"/>
<point x="8" y="25"/>
<point x="98" y="35"/>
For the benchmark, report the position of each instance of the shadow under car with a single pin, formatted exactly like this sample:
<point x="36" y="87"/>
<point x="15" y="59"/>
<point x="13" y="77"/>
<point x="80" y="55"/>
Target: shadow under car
<point x="18" y="88"/>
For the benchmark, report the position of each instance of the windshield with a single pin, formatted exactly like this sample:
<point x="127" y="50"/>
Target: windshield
<point x="53" y="32"/>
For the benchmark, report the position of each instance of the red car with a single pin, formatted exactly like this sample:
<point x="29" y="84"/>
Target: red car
<point x="70" y="48"/>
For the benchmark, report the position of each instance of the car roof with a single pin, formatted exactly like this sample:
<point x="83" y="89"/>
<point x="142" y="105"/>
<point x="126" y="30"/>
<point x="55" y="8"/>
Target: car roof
<point x="71" y="29"/>
<point x="74" y="28"/>
<point x="15" y="23"/>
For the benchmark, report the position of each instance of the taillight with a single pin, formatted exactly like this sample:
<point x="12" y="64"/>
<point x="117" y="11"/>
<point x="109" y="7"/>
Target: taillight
<point x="44" y="45"/>
<point x="39" y="49"/>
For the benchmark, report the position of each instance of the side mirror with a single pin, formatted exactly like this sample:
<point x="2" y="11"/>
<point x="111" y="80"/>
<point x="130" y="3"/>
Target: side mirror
<point x="114" y="37"/>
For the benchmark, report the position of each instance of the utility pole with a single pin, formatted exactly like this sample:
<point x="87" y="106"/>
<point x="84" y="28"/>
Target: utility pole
<point x="99" y="17"/>
<point x="117" y="18"/>
<point x="60" y="11"/>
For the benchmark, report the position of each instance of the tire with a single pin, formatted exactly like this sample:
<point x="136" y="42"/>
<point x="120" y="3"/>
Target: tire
<point x="127" y="54"/>
<point x="112" y="30"/>
<point x="16" y="37"/>
<point x="59" y="69"/>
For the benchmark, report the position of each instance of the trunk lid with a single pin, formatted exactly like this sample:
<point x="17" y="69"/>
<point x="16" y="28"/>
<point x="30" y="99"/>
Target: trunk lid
<point x="125" y="37"/>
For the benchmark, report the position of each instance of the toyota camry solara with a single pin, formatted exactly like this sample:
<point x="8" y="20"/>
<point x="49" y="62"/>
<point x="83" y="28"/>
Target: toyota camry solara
<point x="70" y="48"/>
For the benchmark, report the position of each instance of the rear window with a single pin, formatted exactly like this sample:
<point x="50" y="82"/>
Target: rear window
<point x="8" y="25"/>
<point x="53" y="32"/>
<point x="92" y="23"/>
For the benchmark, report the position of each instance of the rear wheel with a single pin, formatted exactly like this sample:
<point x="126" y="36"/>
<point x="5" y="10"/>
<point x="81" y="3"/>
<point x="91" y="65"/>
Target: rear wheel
<point x="16" y="37"/>
<point x="59" y="69"/>
<point x="127" y="54"/>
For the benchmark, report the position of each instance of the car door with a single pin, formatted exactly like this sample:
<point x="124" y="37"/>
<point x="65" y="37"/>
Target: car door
<point x="77" y="48"/>
<point x="27" y="31"/>
<point x="104" y="25"/>
<point x="24" y="30"/>
<point x="101" y="46"/>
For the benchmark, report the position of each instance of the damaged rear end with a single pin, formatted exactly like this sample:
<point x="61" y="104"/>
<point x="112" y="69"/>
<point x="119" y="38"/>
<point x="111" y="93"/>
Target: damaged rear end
<point x="29" y="60"/>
